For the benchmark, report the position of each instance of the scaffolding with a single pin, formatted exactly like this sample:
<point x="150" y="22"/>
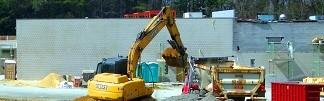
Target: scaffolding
<point x="279" y="52"/>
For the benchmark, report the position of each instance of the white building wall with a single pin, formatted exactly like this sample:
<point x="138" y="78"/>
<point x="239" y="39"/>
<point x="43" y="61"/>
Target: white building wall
<point x="66" y="46"/>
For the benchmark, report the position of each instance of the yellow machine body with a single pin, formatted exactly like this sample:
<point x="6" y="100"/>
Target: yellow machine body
<point x="110" y="86"/>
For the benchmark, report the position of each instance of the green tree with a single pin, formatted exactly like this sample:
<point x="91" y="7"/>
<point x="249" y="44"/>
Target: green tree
<point x="10" y="10"/>
<point x="60" y="9"/>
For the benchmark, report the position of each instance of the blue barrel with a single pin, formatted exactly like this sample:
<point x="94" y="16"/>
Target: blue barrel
<point x="150" y="71"/>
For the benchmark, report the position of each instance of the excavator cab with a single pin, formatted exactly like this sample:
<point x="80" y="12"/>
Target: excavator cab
<point x="117" y="65"/>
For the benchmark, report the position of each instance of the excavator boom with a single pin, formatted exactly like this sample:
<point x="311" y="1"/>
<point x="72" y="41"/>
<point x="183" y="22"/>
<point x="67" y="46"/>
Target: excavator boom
<point x="175" y="56"/>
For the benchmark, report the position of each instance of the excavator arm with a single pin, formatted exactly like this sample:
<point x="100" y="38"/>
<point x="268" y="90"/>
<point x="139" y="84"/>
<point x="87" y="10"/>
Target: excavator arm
<point x="175" y="56"/>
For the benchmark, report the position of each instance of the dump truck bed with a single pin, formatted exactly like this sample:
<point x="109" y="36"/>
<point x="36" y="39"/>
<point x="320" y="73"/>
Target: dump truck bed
<point x="238" y="81"/>
<point x="231" y="80"/>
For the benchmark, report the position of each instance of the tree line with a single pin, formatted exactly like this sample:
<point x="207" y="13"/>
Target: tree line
<point x="10" y="10"/>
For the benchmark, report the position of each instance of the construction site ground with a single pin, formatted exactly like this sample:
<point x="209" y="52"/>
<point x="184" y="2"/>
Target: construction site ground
<point x="23" y="91"/>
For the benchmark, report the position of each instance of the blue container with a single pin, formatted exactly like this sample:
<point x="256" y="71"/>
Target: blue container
<point x="149" y="71"/>
<point x="265" y="17"/>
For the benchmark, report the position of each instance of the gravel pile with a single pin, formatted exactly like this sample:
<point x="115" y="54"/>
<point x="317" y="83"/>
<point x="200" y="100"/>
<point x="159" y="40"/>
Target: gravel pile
<point x="192" y="97"/>
<point x="209" y="97"/>
<point x="187" y="97"/>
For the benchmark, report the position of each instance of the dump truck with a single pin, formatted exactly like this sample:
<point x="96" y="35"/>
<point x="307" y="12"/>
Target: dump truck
<point x="233" y="81"/>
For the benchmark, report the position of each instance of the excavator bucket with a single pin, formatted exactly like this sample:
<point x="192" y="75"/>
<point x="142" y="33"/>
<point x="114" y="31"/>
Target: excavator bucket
<point x="173" y="58"/>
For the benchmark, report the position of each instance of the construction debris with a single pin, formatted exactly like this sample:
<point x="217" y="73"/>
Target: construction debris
<point x="192" y="97"/>
<point x="186" y="97"/>
<point x="88" y="98"/>
<point x="65" y="84"/>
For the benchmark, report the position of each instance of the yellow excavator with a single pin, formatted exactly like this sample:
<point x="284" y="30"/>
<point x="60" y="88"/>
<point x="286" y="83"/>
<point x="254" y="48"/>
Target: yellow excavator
<point x="116" y="86"/>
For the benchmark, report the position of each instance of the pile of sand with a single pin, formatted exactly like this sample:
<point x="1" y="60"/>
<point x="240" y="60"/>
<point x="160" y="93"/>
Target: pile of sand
<point x="20" y="83"/>
<point x="52" y="80"/>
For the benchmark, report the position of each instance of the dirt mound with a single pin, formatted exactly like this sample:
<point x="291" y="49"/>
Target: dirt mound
<point x="192" y="97"/>
<point x="209" y="97"/>
<point x="84" y="98"/>
<point x="187" y="97"/>
<point x="52" y="80"/>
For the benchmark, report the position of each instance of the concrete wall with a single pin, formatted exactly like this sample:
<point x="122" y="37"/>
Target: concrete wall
<point x="283" y="70"/>
<point x="66" y="46"/>
<point x="251" y="37"/>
